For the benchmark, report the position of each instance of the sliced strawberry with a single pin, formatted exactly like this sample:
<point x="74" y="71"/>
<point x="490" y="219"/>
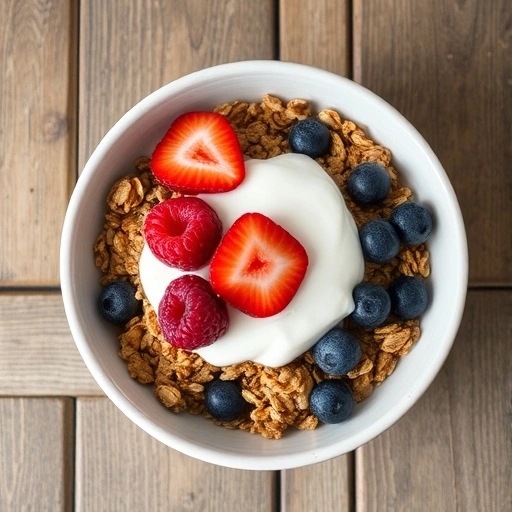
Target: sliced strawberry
<point x="258" y="266"/>
<point x="199" y="153"/>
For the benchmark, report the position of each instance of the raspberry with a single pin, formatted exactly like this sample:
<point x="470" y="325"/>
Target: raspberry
<point x="183" y="232"/>
<point x="190" y="314"/>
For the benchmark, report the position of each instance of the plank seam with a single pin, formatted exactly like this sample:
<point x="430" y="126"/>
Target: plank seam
<point x="75" y="438"/>
<point x="281" y="494"/>
<point x="20" y="289"/>
<point x="77" y="95"/>
<point x="350" y="39"/>
<point x="277" y="30"/>
<point x="352" y="480"/>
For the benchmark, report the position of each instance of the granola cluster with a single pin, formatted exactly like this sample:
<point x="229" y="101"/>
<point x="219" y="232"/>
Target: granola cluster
<point x="276" y="397"/>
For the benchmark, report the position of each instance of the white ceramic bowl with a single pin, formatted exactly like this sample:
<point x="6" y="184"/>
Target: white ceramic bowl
<point x="136" y="134"/>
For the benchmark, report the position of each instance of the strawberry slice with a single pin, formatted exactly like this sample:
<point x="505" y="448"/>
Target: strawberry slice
<point x="258" y="266"/>
<point x="199" y="153"/>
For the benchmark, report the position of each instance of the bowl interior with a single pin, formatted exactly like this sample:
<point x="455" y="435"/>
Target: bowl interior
<point x="136" y="134"/>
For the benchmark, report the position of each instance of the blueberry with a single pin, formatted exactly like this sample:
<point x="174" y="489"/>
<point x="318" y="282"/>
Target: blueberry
<point x="309" y="137"/>
<point x="409" y="297"/>
<point x="117" y="302"/>
<point x="369" y="183"/>
<point x="412" y="222"/>
<point x="331" y="401"/>
<point x="372" y="305"/>
<point x="379" y="241"/>
<point x="337" y="352"/>
<point x="223" y="400"/>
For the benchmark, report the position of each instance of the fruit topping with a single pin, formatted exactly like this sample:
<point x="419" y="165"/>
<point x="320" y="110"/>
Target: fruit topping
<point x="379" y="241"/>
<point x="369" y="183"/>
<point x="337" y="352"/>
<point x="258" y="266"/>
<point x="223" y="400"/>
<point x="310" y="137"/>
<point x="372" y="305"/>
<point x="409" y="297"/>
<point x="412" y="222"/>
<point x="331" y="401"/>
<point x="190" y="314"/>
<point x="183" y="232"/>
<point x="199" y="153"/>
<point x="117" y="302"/>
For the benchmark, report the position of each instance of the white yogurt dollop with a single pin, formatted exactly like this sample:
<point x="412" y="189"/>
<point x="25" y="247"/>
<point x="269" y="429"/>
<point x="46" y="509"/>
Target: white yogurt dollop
<point x="295" y="192"/>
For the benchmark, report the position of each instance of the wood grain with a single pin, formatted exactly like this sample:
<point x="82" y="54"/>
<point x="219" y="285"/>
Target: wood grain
<point x="36" y="443"/>
<point x="119" y="467"/>
<point x="39" y="356"/>
<point x="453" y="450"/>
<point x="127" y="50"/>
<point x="324" y="486"/>
<point x="130" y="48"/>
<point x="316" y="32"/>
<point x="37" y="136"/>
<point x="447" y="66"/>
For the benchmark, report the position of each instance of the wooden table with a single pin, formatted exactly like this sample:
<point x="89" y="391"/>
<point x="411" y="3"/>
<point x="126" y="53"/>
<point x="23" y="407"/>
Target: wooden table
<point x="70" y="69"/>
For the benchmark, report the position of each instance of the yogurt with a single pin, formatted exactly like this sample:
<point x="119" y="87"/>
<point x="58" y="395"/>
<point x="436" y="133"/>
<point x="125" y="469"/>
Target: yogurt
<point x="295" y="192"/>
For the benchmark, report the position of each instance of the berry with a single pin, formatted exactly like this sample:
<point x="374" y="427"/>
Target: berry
<point x="372" y="305"/>
<point x="379" y="241"/>
<point x="331" y="401"/>
<point x="369" y="183"/>
<point x="183" y="232"/>
<point x="117" y="302"/>
<point x="409" y="297"/>
<point x="337" y="352"/>
<point x="258" y="266"/>
<point x="412" y="222"/>
<point x="190" y="314"/>
<point x="309" y="137"/>
<point x="223" y="400"/>
<point x="199" y="153"/>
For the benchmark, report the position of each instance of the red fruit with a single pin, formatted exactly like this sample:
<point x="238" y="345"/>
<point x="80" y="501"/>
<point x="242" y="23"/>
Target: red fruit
<point x="258" y="266"/>
<point x="190" y="314"/>
<point x="183" y="232"/>
<point x="199" y="153"/>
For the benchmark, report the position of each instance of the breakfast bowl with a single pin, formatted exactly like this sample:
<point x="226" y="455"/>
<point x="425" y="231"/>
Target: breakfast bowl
<point x="136" y="134"/>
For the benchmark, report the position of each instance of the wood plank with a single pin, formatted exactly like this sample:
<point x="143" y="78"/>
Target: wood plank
<point x="37" y="138"/>
<point x="324" y="486"/>
<point x="36" y="447"/>
<point x="446" y="66"/>
<point x="39" y="356"/>
<point x="127" y="50"/>
<point x="316" y="32"/>
<point x="158" y="42"/>
<point x="119" y="467"/>
<point x="452" y="451"/>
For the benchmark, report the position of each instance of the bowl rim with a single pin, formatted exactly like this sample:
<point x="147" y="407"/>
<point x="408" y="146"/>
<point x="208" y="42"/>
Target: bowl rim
<point x="115" y="394"/>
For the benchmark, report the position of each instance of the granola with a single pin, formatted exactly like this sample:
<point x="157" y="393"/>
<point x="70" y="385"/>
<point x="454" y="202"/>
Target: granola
<point x="276" y="397"/>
